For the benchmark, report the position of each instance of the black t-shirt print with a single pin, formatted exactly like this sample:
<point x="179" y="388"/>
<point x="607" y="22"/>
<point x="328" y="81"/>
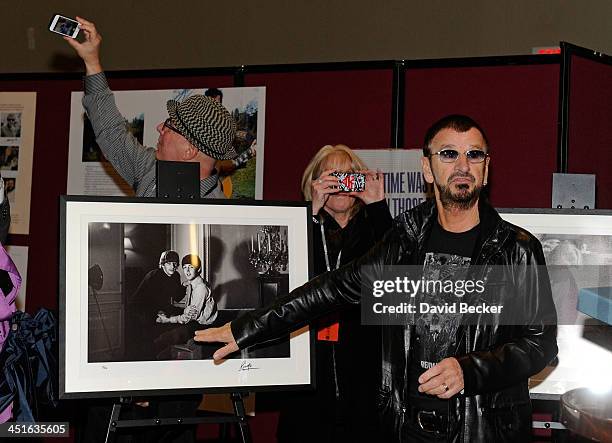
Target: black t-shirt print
<point x="447" y="258"/>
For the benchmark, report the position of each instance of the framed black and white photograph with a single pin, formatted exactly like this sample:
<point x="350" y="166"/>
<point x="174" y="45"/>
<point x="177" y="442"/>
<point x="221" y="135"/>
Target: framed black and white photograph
<point x="577" y="246"/>
<point x="140" y="276"/>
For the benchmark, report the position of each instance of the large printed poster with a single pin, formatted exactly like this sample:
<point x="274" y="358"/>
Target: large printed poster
<point x="17" y="116"/>
<point x="90" y="174"/>
<point x="405" y="186"/>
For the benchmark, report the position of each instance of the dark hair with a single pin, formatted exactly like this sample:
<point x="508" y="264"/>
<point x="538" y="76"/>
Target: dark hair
<point x="213" y="92"/>
<point x="457" y="122"/>
<point x="193" y="260"/>
<point x="168" y="257"/>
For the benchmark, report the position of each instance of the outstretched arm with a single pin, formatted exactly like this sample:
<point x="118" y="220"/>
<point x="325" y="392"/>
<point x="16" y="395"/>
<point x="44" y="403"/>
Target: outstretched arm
<point x="322" y="295"/>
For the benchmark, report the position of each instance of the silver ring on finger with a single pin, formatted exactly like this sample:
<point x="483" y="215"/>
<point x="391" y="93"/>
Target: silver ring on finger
<point x="445" y="387"/>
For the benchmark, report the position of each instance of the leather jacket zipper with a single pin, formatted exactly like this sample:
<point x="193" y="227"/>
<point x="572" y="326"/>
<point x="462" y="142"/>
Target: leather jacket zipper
<point x="467" y="399"/>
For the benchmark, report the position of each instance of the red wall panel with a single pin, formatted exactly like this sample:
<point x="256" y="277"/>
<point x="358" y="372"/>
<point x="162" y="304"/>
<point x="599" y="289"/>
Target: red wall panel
<point x="590" y="125"/>
<point x="307" y="110"/>
<point x="517" y="106"/>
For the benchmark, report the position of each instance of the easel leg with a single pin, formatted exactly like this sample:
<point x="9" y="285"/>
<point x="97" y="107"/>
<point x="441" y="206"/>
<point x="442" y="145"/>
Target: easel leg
<point x="243" y="424"/>
<point x="111" y="432"/>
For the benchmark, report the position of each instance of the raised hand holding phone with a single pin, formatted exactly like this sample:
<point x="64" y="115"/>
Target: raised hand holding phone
<point x="321" y="188"/>
<point x="89" y="49"/>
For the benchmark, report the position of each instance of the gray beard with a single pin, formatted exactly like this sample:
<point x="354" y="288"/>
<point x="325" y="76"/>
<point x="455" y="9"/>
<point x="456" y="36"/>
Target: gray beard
<point x="463" y="200"/>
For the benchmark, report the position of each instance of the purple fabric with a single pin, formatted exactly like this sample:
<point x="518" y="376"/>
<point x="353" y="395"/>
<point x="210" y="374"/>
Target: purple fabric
<point x="7" y="308"/>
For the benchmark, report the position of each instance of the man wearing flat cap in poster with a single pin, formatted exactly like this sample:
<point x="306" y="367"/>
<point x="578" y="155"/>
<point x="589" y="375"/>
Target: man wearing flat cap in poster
<point x="198" y="129"/>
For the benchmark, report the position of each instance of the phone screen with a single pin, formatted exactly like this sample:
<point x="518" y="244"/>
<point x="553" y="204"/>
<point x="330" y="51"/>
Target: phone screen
<point x="64" y="25"/>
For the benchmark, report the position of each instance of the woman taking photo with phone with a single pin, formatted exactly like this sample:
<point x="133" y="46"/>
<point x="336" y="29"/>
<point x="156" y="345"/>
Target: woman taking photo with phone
<point x="345" y="226"/>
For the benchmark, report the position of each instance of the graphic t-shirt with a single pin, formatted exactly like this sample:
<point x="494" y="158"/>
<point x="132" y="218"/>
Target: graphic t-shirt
<point x="447" y="258"/>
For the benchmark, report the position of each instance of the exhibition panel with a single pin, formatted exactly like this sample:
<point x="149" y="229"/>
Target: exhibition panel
<point x="514" y="99"/>
<point x="589" y="107"/>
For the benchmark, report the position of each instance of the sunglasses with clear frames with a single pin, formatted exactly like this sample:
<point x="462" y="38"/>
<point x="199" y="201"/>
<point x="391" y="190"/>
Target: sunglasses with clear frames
<point x="451" y="155"/>
<point x="168" y="124"/>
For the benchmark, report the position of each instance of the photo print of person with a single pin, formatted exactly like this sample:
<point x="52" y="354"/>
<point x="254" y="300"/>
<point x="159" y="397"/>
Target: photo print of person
<point x="143" y="111"/>
<point x="9" y="158"/>
<point x="161" y="282"/>
<point x="10" y="184"/>
<point x="10" y="124"/>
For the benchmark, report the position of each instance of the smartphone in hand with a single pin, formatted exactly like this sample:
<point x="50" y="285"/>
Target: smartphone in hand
<point x="64" y="26"/>
<point x="350" y="181"/>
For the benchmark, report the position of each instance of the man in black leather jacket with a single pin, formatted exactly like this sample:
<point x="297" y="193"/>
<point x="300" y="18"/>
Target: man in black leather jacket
<point x="476" y="390"/>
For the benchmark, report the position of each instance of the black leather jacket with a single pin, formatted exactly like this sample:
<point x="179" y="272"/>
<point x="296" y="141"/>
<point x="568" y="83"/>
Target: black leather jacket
<point x="496" y="360"/>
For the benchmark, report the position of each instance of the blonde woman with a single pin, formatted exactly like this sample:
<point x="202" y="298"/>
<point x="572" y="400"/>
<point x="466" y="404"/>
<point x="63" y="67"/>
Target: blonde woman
<point x="345" y="226"/>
